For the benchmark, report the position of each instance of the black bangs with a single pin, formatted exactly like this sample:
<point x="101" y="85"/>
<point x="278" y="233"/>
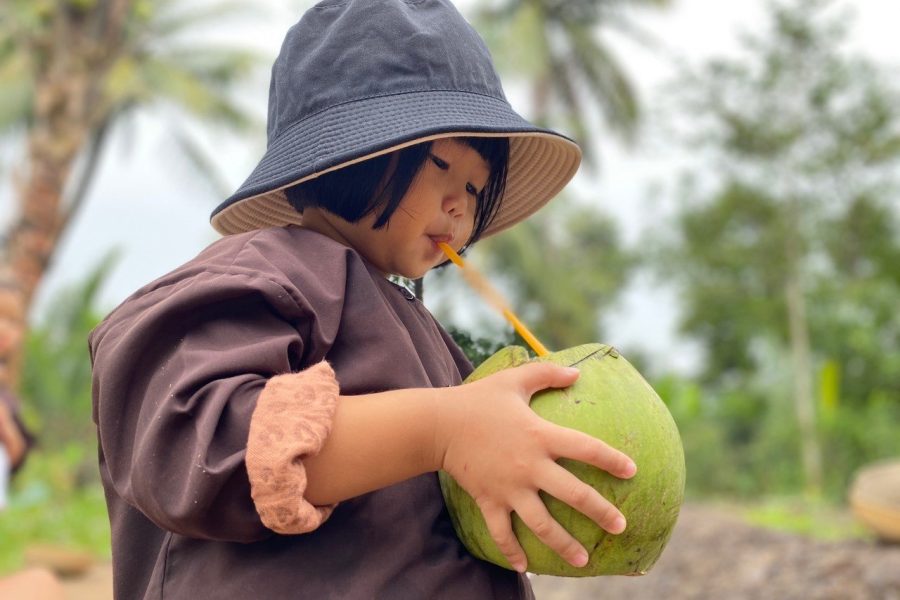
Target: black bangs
<point x="495" y="151"/>
<point x="357" y="190"/>
<point x="354" y="191"/>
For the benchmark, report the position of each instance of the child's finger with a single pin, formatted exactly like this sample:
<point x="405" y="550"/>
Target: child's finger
<point x="566" y="487"/>
<point x="535" y="377"/>
<point x="500" y="528"/>
<point x="577" y="445"/>
<point x="536" y="516"/>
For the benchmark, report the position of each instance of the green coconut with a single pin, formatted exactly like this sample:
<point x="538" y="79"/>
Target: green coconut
<point x="612" y="402"/>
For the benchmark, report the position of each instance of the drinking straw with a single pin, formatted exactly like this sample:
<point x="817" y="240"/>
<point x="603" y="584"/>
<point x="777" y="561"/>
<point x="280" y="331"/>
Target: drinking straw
<point x="487" y="291"/>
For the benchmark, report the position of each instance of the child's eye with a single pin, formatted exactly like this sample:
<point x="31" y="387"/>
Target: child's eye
<point x="439" y="162"/>
<point x="471" y="189"/>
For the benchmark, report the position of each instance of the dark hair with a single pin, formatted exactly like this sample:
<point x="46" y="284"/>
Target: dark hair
<point x="357" y="190"/>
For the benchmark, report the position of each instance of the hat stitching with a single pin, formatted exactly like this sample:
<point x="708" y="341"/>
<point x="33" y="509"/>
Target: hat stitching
<point x="267" y="178"/>
<point x="326" y="130"/>
<point x="337" y="3"/>
<point x="374" y="96"/>
<point x="324" y="161"/>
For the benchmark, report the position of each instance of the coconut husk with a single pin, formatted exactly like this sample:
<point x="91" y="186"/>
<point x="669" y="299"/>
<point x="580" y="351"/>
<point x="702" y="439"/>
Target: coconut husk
<point x="875" y="498"/>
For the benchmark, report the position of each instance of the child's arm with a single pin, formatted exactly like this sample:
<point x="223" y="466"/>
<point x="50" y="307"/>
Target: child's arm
<point x="176" y="375"/>
<point x="13" y="435"/>
<point x="180" y="371"/>
<point x="482" y="433"/>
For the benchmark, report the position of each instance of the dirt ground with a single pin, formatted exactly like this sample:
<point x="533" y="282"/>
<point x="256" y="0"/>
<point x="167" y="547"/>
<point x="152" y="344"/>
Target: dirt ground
<point x="712" y="555"/>
<point x="95" y="585"/>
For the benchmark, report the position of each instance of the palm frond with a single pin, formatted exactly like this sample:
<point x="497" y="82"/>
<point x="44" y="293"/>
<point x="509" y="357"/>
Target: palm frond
<point x="607" y="82"/>
<point x="564" y="80"/>
<point x="182" y="84"/>
<point x="67" y="313"/>
<point x="201" y="163"/>
<point x="197" y="97"/>
<point x="624" y="24"/>
<point x="214" y="65"/>
<point x="18" y="89"/>
<point x="516" y="38"/>
<point x="172" y="19"/>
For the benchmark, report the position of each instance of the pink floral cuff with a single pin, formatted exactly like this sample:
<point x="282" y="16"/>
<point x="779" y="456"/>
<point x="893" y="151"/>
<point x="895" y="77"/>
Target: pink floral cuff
<point x="292" y="419"/>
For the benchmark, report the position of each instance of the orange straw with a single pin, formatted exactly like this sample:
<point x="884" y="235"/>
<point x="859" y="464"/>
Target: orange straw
<point x="483" y="287"/>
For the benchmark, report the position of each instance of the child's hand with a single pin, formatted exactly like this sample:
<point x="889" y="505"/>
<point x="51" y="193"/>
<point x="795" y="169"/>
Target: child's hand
<point x="502" y="453"/>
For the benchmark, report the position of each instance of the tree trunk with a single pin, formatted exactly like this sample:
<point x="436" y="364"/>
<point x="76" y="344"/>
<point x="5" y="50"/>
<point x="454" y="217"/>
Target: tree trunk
<point x="804" y="403"/>
<point x="53" y="145"/>
<point x="68" y="105"/>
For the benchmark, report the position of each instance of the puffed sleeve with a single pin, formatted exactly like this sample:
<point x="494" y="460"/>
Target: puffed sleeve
<point x="177" y="372"/>
<point x="292" y="420"/>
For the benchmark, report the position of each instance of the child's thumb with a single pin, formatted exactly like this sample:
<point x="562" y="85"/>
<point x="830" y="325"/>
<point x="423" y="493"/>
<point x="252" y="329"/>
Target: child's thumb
<point x="538" y="376"/>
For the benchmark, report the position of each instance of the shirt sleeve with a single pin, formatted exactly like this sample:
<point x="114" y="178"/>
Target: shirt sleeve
<point x="292" y="420"/>
<point x="177" y="372"/>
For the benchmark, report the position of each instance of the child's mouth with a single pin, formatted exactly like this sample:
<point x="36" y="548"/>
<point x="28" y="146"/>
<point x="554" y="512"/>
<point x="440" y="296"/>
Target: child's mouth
<point x="439" y="239"/>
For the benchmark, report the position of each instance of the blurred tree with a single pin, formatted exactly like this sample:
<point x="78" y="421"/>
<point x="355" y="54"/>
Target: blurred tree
<point x="564" y="271"/>
<point x="70" y="70"/>
<point x="556" y="46"/>
<point x="56" y="375"/>
<point x="797" y="247"/>
<point x="857" y="329"/>
<point x="479" y="349"/>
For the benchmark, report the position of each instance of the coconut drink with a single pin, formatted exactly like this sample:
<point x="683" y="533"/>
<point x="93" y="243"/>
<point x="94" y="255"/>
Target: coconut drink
<point x="610" y="401"/>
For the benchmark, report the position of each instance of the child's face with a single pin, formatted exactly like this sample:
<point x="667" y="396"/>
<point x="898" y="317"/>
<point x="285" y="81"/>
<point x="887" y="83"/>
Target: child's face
<point x="438" y="207"/>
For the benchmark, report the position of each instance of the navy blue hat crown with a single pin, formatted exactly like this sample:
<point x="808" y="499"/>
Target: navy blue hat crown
<point x="359" y="78"/>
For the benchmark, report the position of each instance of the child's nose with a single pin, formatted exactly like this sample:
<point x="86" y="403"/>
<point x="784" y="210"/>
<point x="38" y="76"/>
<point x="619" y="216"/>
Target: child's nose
<point x="455" y="203"/>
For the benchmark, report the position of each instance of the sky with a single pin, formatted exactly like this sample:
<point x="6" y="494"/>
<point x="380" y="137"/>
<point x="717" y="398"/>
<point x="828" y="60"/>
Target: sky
<point x="146" y="202"/>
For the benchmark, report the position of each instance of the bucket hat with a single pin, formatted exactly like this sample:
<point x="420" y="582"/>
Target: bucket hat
<point x="358" y="78"/>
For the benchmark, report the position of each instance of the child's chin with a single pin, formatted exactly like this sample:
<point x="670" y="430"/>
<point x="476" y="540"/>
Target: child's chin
<point x="416" y="271"/>
<point x="415" y="274"/>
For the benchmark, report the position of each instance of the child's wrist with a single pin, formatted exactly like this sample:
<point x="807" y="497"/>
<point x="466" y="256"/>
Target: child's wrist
<point x="446" y="403"/>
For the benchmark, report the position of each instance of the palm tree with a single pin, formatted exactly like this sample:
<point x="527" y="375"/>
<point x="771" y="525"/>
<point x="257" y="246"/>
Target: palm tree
<point x="564" y="280"/>
<point x="70" y="70"/>
<point x="556" y="46"/>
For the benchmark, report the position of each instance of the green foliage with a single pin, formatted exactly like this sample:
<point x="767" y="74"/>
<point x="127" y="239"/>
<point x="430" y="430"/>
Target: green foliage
<point x="741" y="442"/>
<point x="56" y="498"/>
<point x="478" y="349"/>
<point x="728" y="258"/>
<point x="564" y="272"/>
<point x="789" y="256"/>
<point x="50" y="505"/>
<point x="56" y="379"/>
<point x="857" y="328"/>
<point x="803" y="133"/>
<point x="156" y="64"/>
<point x="806" y="516"/>
<point x="556" y="47"/>
<point x="855" y="436"/>
<point x="162" y="62"/>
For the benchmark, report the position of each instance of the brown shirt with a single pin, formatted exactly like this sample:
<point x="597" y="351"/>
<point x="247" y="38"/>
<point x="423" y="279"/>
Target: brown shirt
<point x="177" y="371"/>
